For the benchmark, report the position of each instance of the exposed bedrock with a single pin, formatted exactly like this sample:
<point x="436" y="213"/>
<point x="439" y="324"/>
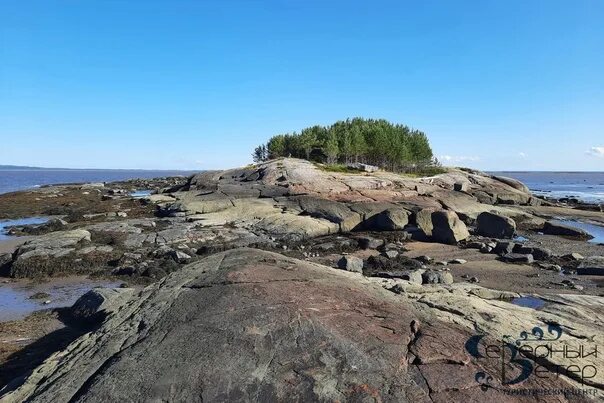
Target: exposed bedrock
<point x="250" y="325"/>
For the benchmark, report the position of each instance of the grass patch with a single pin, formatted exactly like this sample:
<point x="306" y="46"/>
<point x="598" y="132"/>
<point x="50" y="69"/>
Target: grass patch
<point x="341" y="168"/>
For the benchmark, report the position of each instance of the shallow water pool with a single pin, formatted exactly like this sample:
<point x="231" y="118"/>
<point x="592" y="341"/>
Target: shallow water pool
<point x="140" y="194"/>
<point x="594" y="230"/>
<point x="5" y="224"/>
<point x="15" y="302"/>
<point x="528" y="302"/>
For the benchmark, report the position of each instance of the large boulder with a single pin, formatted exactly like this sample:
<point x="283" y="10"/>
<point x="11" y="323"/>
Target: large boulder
<point x="495" y="225"/>
<point x="335" y="212"/>
<point x="96" y="303"/>
<point x="391" y="219"/>
<point x="53" y="243"/>
<point x="513" y="183"/>
<point x="423" y="220"/>
<point x="351" y="263"/>
<point x="448" y="228"/>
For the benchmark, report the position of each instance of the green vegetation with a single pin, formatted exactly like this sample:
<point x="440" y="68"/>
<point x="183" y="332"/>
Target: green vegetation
<point x="393" y="147"/>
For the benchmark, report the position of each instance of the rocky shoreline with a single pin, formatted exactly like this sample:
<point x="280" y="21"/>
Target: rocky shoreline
<point x="362" y="265"/>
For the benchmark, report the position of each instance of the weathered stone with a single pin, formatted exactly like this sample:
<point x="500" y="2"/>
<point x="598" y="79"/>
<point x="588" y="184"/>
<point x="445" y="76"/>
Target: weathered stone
<point x="460" y="186"/>
<point x="367" y="242"/>
<point x="458" y="261"/>
<point x="448" y="228"/>
<point x="539" y="253"/>
<point x="93" y="305"/>
<point x="437" y="277"/>
<point x="486" y="248"/>
<point x="424" y="259"/>
<point x="518" y="258"/>
<point x="351" y="263"/>
<point x="423" y="220"/>
<point x="573" y="257"/>
<point x="553" y="228"/>
<point x="5" y="259"/>
<point x="495" y="225"/>
<point x="504" y="247"/>
<point x="391" y="254"/>
<point x="390" y="220"/>
<point x="413" y="276"/>
<point x="593" y="265"/>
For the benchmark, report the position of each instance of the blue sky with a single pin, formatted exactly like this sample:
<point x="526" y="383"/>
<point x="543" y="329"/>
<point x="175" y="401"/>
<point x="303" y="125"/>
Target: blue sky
<point x="496" y="85"/>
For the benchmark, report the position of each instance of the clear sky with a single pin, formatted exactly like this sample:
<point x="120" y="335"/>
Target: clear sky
<point x="496" y="85"/>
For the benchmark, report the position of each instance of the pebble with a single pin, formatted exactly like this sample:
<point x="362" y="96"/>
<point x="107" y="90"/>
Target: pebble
<point x="458" y="261"/>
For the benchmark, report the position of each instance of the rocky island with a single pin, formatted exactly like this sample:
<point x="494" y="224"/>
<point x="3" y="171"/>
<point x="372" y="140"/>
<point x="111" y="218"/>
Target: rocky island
<point x="285" y="280"/>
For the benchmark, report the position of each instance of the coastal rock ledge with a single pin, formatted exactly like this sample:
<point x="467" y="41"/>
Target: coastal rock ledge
<point x="251" y="325"/>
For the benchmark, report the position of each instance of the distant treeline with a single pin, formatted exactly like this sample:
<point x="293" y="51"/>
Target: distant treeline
<point x="378" y="142"/>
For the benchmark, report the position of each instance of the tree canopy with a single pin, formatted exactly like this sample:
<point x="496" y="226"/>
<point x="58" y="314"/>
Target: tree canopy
<point x="378" y="142"/>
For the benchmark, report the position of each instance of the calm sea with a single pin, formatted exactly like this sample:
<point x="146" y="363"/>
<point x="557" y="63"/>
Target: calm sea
<point x="586" y="186"/>
<point x="12" y="180"/>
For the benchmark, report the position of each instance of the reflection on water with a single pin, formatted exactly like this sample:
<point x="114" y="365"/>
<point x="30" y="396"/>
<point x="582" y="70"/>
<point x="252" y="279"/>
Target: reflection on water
<point x="15" y="302"/>
<point x="594" y="230"/>
<point x="528" y="302"/>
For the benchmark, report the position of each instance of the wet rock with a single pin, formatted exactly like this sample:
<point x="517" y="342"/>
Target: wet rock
<point x="495" y="225"/>
<point x="448" y="228"/>
<point x="40" y="295"/>
<point x="5" y="260"/>
<point x="552" y="228"/>
<point x="351" y="263"/>
<point x="593" y="265"/>
<point x="517" y="258"/>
